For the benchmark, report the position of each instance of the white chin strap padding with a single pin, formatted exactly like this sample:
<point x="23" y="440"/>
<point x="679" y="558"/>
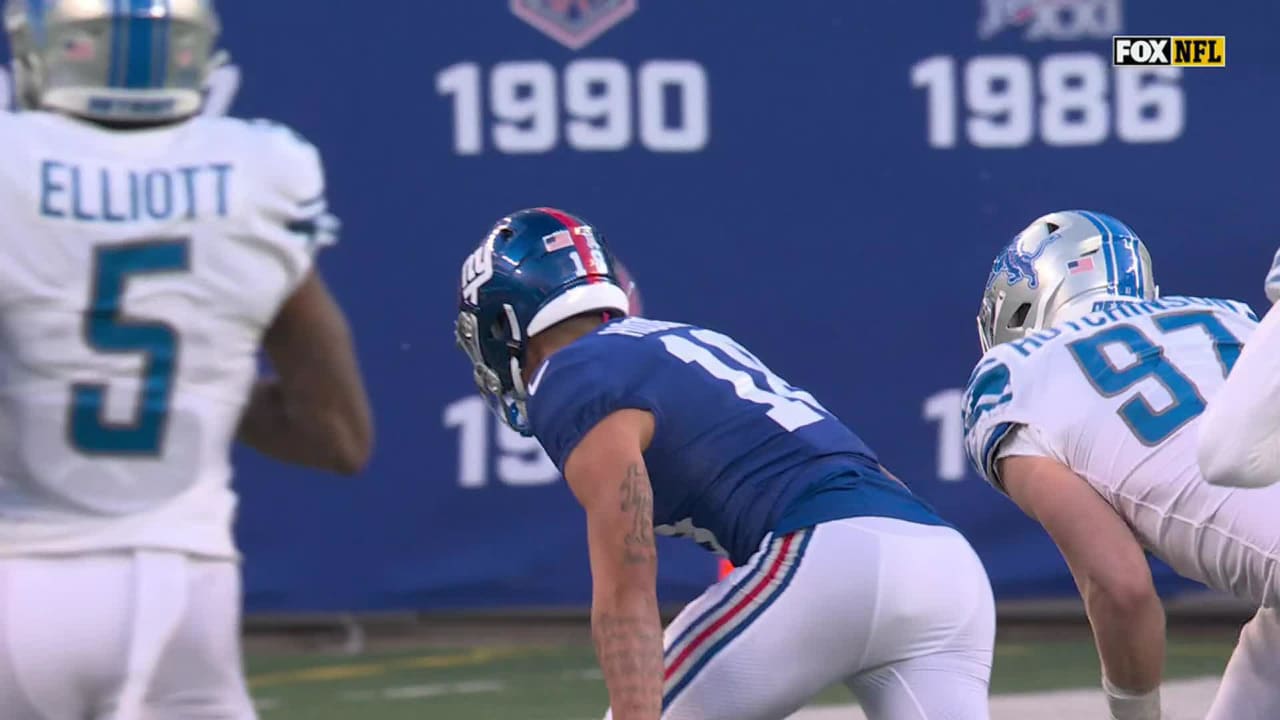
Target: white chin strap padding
<point x="516" y="380"/>
<point x="578" y="300"/>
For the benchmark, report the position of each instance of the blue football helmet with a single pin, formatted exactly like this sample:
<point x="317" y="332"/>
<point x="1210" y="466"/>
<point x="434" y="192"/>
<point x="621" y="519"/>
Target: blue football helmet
<point x="536" y="268"/>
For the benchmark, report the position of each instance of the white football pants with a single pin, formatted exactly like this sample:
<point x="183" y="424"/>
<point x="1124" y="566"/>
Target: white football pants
<point x="901" y="613"/>
<point x="1250" y="688"/>
<point x="126" y="636"/>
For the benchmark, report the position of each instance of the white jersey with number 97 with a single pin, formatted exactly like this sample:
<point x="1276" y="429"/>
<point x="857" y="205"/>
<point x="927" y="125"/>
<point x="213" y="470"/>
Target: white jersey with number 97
<point x="1116" y="397"/>
<point x="138" y="272"/>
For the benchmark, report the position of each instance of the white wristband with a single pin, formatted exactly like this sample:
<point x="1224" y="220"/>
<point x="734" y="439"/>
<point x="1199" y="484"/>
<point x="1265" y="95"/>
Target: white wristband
<point x="1128" y="705"/>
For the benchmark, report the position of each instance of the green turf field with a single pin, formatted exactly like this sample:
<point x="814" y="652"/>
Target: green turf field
<point x="561" y="683"/>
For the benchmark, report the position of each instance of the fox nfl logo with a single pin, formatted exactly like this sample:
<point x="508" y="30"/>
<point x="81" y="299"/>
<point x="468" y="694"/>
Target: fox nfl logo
<point x="1169" y="50"/>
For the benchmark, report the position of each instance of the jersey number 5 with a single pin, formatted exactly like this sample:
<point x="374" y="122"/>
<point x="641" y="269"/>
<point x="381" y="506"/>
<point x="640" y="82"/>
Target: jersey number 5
<point x="107" y="329"/>
<point x="1150" y="426"/>
<point x="788" y="406"/>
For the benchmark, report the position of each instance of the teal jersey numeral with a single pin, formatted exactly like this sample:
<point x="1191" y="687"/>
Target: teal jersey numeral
<point x="1152" y="427"/>
<point x="108" y="329"/>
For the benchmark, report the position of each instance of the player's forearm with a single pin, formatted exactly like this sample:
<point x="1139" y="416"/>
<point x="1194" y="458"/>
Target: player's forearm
<point x="1239" y="442"/>
<point x="627" y="633"/>
<point x="1129" y="629"/>
<point x="279" y="428"/>
<point x="607" y="474"/>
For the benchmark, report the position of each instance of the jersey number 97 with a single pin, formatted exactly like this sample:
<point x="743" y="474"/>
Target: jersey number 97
<point x="1149" y="425"/>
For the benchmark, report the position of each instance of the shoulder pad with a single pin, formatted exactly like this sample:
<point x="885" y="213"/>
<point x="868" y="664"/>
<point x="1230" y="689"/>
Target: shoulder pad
<point x="576" y="388"/>
<point x="993" y="404"/>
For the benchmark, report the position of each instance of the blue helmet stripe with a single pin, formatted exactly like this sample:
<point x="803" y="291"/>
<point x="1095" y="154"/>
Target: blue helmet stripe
<point x="36" y="10"/>
<point x="1131" y="257"/>
<point x="1117" y="270"/>
<point x="142" y="26"/>
<point x="1128" y="260"/>
<point x="160" y="51"/>
<point x="115" y="74"/>
<point x="1107" y="259"/>
<point x="1120" y="254"/>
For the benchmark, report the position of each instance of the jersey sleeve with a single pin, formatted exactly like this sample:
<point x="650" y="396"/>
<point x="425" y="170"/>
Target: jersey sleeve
<point x="296" y="204"/>
<point x="575" y="389"/>
<point x="1025" y="441"/>
<point x="994" y="408"/>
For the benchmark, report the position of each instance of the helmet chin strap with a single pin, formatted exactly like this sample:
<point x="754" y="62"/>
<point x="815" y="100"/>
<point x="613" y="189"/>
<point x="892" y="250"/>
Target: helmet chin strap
<point x="517" y="415"/>
<point x="517" y="379"/>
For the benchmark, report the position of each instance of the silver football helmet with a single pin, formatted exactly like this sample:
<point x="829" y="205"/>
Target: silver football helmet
<point x="1058" y="269"/>
<point x="113" y="60"/>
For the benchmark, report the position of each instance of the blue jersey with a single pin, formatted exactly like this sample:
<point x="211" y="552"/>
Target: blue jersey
<point x="736" y="452"/>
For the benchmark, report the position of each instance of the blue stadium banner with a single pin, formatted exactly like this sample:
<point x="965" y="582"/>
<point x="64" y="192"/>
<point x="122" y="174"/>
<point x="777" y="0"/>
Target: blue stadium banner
<point x="826" y="181"/>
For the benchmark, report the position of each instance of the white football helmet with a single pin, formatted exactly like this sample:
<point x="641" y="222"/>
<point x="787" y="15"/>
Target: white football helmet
<point x="113" y="60"/>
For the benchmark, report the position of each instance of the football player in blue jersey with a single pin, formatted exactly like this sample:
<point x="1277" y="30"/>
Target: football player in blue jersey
<point x="842" y="574"/>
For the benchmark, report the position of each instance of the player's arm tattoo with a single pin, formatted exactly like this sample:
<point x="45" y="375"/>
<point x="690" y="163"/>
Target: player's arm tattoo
<point x="629" y="648"/>
<point x="637" y="503"/>
<point x="624" y="614"/>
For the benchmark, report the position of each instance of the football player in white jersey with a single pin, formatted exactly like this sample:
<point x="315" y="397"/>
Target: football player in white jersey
<point x="146" y="255"/>
<point x="1240" y="432"/>
<point x="1085" y="410"/>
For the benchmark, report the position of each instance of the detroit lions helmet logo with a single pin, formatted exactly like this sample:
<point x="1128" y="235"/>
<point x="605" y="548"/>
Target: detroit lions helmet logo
<point x="1018" y="261"/>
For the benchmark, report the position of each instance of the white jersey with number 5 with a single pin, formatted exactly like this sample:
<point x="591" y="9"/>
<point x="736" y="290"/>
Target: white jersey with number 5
<point x="1116" y="397"/>
<point x="138" y="272"/>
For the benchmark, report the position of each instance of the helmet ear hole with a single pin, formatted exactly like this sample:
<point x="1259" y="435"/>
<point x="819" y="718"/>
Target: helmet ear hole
<point x="1019" y="317"/>
<point x="498" y="330"/>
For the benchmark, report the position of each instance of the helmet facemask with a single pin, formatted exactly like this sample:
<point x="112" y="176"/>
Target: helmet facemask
<point x="497" y="372"/>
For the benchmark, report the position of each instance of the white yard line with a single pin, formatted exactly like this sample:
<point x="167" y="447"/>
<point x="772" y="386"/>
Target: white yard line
<point x="1183" y="700"/>
<point x="417" y="692"/>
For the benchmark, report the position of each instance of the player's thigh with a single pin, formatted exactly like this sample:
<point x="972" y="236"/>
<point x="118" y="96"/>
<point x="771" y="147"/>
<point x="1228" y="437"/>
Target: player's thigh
<point x="200" y="673"/>
<point x="949" y="685"/>
<point x="64" y="624"/>
<point x="826" y="604"/>
<point x="934" y="596"/>
<point x="934" y="635"/>
<point x="1249" y="688"/>
<point x="763" y="642"/>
